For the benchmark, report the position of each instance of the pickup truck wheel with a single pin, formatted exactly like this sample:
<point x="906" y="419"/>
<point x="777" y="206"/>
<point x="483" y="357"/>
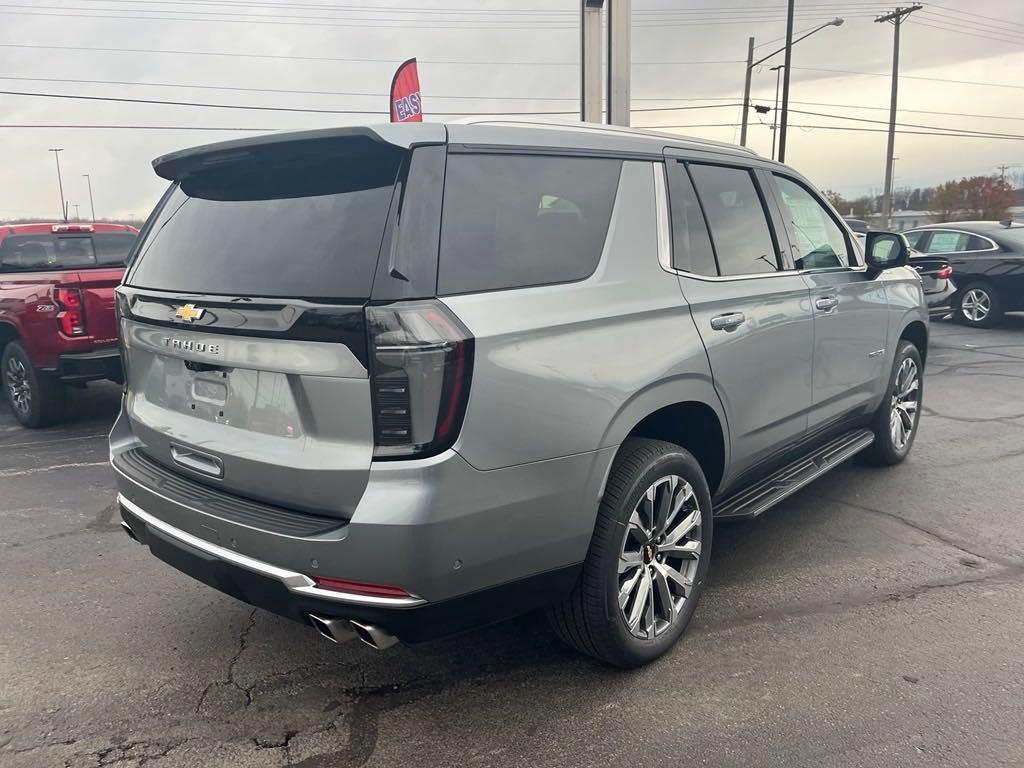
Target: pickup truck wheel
<point x="36" y="397"/>
<point x="648" y="559"/>
<point x="979" y="306"/>
<point x="895" y="422"/>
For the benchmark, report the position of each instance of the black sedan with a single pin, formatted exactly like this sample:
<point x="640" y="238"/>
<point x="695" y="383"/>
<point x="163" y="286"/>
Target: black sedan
<point x="987" y="258"/>
<point x="936" y="279"/>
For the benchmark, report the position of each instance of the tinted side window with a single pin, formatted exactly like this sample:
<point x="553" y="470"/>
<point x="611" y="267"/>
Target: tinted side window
<point x="818" y="242"/>
<point x="944" y="241"/>
<point x="914" y="237"/>
<point x="736" y="217"/>
<point x="511" y="221"/>
<point x="112" y="247"/>
<point x="691" y="245"/>
<point x="975" y="243"/>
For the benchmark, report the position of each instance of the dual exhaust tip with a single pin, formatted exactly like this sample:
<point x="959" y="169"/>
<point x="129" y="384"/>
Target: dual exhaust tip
<point x="341" y="630"/>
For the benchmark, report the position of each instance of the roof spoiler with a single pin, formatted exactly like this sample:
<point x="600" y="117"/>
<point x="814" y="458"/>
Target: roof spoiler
<point x="178" y="165"/>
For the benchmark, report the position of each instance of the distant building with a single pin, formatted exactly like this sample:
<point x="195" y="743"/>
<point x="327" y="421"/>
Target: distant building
<point x="903" y="220"/>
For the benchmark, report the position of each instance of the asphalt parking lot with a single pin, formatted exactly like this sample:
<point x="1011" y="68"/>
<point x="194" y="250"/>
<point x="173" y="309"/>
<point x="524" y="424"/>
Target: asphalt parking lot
<point x="875" y="618"/>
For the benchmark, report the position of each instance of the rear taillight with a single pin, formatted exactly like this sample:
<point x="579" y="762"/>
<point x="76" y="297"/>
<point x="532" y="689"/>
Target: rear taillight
<point x="72" y="314"/>
<point x="359" y="587"/>
<point x="945" y="273"/>
<point x="421" y="365"/>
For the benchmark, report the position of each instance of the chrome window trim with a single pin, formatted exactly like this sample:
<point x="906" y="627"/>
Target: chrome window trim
<point x="662" y="215"/>
<point x="727" y="278"/>
<point x="297" y="583"/>
<point x="989" y="240"/>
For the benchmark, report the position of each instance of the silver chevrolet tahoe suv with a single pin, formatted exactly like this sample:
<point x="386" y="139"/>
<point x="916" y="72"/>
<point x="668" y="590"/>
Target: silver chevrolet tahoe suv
<point x="400" y="381"/>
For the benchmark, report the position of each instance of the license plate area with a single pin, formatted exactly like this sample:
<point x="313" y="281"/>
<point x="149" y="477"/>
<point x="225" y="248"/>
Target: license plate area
<point x="211" y="391"/>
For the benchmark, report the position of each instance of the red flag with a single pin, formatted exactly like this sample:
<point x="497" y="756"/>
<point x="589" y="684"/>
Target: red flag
<point x="406" y="103"/>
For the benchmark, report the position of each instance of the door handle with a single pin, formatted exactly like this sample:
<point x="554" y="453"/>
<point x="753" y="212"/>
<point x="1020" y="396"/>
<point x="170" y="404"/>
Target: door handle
<point x="728" y="322"/>
<point x="826" y="303"/>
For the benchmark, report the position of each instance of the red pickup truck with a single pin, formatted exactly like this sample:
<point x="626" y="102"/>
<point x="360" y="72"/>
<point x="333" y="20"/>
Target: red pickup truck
<point x="57" y="323"/>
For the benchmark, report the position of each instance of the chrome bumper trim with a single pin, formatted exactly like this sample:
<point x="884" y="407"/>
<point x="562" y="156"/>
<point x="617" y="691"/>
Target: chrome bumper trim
<point x="297" y="583"/>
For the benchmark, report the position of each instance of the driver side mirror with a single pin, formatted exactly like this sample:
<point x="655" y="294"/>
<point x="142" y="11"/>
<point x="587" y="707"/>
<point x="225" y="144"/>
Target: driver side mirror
<point x="885" y="250"/>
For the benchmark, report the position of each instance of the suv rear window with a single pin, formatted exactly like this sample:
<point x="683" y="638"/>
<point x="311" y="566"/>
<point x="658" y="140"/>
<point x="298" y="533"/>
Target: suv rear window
<point x="54" y="252"/>
<point x="308" y="229"/>
<point x="511" y="221"/>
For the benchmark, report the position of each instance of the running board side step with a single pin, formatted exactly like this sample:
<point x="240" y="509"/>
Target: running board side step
<point x="751" y="501"/>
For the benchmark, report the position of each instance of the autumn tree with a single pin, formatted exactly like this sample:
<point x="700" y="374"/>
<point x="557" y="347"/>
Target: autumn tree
<point x="947" y="200"/>
<point x="838" y="202"/>
<point x="986" y="198"/>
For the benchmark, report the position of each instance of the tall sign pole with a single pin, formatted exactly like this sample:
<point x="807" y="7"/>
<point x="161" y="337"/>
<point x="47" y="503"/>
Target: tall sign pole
<point x="590" y="60"/>
<point x="619" y="61"/>
<point x="896" y="18"/>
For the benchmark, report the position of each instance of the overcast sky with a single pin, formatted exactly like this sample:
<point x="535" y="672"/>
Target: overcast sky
<point x="524" y="58"/>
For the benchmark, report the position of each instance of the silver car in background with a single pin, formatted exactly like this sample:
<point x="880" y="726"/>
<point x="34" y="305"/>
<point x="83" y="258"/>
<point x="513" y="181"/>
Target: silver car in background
<point x="401" y="381"/>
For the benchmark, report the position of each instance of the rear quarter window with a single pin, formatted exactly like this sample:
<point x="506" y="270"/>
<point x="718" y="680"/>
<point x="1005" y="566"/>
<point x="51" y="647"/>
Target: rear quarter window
<point x="512" y="221"/>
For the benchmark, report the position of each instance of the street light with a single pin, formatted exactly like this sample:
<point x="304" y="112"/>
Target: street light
<point x="60" y="184"/>
<point x="838" y="21"/>
<point x="91" y="204"/>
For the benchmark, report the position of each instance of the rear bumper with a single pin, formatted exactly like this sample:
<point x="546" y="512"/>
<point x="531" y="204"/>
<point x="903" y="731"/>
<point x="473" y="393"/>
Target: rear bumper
<point x="940" y="302"/>
<point x="295" y="596"/>
<point x="497" y="543"/>
<point x="90" y="366"/>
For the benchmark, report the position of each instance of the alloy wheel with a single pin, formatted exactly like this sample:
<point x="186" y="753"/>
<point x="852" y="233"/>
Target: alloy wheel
<point x="18" y="385"/>
<point x="903" y="418"/>
<point x="975" y="305"/>
<point x="659" y="556"/>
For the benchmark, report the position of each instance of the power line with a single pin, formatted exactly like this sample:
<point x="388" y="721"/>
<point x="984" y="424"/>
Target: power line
<point x="899" y="109"/>
<point x="949" y="18"/>
<point x="569" y="13"/>
<point x="971" y="14"/>
<point x="908" y="125"/>
<point x="390" y="61"/>
<point x="307" y="110"/>
<point x="389" y="24"/>
<point x="262" y="108"/>
<point x="909" y="77"/>
<point x="432" y="96"/>
<point x="840" y="128"/>
<point x="960" y="31"/>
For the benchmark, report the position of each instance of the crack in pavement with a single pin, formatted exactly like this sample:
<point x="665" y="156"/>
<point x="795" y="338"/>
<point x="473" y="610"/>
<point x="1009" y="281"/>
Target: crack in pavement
<point x="229" y="680"/>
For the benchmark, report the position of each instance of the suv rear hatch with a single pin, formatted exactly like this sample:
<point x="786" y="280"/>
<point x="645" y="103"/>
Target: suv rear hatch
<point x="243" y="317"/>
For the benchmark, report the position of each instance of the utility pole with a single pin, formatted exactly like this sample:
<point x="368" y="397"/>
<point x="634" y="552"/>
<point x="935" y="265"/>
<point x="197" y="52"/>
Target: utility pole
<point x="92" y="206"/>
<point x="1004" y="168"/>
<point x="896" y="18"/>
<point x="60" y="184"/>
<point x="775" y="112"/>
<point x="746" y="92"/>
<point x="785" y="83"/>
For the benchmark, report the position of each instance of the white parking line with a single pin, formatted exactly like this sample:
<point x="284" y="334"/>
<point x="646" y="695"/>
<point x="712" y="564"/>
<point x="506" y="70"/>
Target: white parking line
<point x="37" y="470"/>
<point x="34" y="443"/>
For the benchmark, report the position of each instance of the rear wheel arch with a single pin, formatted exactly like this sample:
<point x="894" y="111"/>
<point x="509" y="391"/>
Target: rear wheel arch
<point x="917" y="334"/>
<point x="695" y="426"/>
<point x="8" y="333"/>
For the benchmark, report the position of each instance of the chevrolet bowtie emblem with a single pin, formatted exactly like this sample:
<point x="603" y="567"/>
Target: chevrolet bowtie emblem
<point x="188" y="313"/>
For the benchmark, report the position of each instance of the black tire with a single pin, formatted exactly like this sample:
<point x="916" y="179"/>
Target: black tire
<point x="986" y="293"/>
<point x="45" y="393"/>
<point x="885" y="451"/>
<point x="590" y="619"/>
